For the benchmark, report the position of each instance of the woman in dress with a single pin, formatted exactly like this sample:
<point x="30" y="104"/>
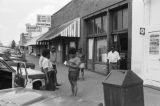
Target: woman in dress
<point x="73" y="64"/>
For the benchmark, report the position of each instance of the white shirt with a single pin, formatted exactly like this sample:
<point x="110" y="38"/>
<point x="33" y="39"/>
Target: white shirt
<point x="47" y="64"/>
<point x="40" y="61"/>
<point x="113" y="56"/>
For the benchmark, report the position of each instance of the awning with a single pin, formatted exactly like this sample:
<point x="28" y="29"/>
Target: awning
<point x="69" y="29"/>
<point x="33" y="41"/>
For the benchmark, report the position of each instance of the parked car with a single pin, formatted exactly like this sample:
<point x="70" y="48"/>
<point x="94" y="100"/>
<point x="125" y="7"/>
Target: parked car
<point x="20" y="76"/>
<point x="14" y="61"/>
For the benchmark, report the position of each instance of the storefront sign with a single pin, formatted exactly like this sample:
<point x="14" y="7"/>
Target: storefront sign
<point x="44" y="20"/>
<point x="33" y="28"/>
<point x="154" y="44"/>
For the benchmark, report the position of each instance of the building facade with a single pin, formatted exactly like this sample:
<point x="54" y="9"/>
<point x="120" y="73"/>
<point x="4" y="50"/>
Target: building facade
<point x="105" y="24"/>
<point x="145" y="40"/>
<point x="131" y="25"/>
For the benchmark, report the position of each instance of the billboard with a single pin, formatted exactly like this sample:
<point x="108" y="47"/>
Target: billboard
<point x="44" y="20"/>
<point x="33" y="28"/>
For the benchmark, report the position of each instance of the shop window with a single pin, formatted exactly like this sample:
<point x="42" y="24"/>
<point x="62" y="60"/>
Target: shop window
<point x="125" y="18"/>
<point x="101" y="49"/>
<point x="90" y="48"/>
<point x="98" y="25"/>
<point x="120" y="19"/>
<point x="119" y="14"/>
<point x="115" y="21"/>
<point x="104" y="24"/>
<point x="90" y="26"/>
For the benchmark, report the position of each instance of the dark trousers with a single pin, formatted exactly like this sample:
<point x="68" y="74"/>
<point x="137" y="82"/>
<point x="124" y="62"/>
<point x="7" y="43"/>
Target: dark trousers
<point x="113" y="66"/>
<point x="55" y="76"/>
<point x="51" y="84"/>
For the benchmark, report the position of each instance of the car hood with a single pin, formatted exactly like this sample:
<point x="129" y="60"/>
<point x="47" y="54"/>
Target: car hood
<point x="29" y="71"/>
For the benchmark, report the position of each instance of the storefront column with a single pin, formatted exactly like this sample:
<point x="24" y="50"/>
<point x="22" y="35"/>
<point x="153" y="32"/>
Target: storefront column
<point x="129" y="34"/>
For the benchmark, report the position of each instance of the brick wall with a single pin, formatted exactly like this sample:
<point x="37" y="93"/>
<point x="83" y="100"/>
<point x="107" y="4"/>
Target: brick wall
<point x="79" y="8"/>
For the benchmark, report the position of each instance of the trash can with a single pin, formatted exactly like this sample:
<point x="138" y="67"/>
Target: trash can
<point x="123" y="88"/>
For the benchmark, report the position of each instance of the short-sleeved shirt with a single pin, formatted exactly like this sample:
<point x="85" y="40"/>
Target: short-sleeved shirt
<point x="113" y="57"/>
<point x="75" y="61"/>
<point x="53" y="57"/>
<point x="47" y="64"/>
<point x="40" y="61"/>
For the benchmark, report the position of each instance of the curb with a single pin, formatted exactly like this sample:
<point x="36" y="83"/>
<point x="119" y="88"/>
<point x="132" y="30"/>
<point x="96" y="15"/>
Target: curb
<point x="152" y="87"/>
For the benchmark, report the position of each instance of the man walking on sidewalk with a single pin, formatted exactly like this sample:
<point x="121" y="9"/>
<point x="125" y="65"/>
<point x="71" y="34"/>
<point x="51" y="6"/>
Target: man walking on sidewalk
<point x="113" y="59"/>
<point x="53" y="58"/>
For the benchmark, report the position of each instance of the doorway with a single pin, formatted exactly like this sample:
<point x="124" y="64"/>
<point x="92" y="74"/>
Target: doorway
<point x="121" y="43"/>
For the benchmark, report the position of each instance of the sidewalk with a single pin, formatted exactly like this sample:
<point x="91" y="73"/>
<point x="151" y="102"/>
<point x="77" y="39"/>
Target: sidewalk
<point x="91" y="89"/>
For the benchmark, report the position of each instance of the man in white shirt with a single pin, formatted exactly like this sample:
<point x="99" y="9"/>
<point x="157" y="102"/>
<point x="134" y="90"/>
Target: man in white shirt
<point x="48" y="70"/>
<point x="113" y="59"/>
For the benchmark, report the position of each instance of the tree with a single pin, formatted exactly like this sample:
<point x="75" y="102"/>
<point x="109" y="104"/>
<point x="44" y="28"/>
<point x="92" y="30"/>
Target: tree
<point x="13" y="44"/>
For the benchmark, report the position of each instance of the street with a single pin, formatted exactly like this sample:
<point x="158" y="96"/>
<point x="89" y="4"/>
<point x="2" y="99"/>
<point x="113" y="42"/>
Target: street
<point x="90" y="90"/>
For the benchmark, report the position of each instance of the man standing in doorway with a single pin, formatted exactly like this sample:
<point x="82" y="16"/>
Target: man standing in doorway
<point x="113" y="59"/>
<point x="53" y="58"/>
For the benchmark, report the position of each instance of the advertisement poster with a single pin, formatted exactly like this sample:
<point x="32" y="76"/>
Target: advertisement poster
<point x="154" y="44"/>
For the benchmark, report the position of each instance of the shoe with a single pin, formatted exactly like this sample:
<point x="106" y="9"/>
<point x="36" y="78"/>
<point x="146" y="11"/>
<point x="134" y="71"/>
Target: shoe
<point x="58" y="84"/>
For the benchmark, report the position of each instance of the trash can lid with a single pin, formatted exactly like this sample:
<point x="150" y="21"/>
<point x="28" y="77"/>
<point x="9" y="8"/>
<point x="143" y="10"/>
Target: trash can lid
<point x="122" y="78"/>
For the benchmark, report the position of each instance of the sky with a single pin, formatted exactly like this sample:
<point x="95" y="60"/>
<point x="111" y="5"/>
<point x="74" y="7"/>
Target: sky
<point x="14" y="14"/>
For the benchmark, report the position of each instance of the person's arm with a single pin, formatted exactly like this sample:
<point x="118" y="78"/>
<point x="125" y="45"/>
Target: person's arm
<point x="74" y="64"/>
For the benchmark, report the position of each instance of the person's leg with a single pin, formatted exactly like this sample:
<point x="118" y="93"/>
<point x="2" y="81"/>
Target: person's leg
<point x="82" y="73"/>
<point x="78" y="72"/>
<point x="110" y="68"/>
<point x="114" y="66"/>
<point x="52" y="79"/>
<point x="47" y="83"/>
<point x="72" y="87"/>
<point x="71" y="83"/>
<point x="57" y="84"/>
<point x="75" y="88"/>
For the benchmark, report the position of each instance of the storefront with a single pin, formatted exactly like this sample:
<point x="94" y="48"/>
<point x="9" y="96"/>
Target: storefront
<point x="105" y="28"/>
<point x="146" y="40"/>
<point x="63" y="37"/>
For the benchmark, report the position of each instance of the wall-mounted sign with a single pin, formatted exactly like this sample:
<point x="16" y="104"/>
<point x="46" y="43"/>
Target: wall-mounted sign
<point x="44" y="20"/>
<point x="33" y="28"/>
<point x="142" y="31"/>
<point x="154" y="44"/>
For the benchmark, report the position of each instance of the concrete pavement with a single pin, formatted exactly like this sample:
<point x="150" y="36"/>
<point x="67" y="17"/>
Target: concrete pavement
<point x="90" y="90"/>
